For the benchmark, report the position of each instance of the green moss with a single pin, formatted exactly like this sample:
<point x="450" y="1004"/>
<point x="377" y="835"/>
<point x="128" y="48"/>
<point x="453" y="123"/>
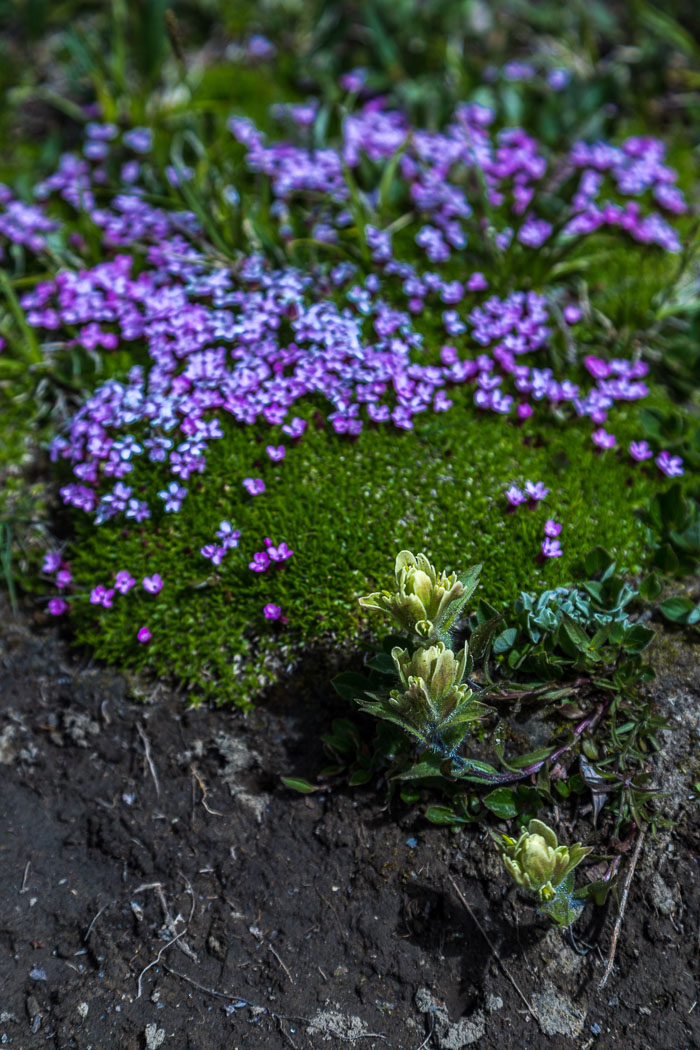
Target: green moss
<point x="345" y="509"/>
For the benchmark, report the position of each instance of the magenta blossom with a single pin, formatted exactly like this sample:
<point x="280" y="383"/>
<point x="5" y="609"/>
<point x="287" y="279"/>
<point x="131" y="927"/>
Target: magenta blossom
<point x="551" y="548"/>
<point x="640" y="451"/>
<point x="515" y="496"/>
<point x="254" y="486"/>
<point x="551" y="528"/>
<point x="276" y="452"/>
<point x="144" y="635"/>
<point x="102" y="596"/>
<point x="536" y="490"/>
<point x="572" y="314"/>
<point x="272" y="612"/>
<point x="598" y="368"/>
<point x="52" y="561"/>
<point x="295" y="428"/>
<point x="63" y="578"/>
<point x="57" y="606"/>
<point x="153" y="584"/>
<point x="601" y="439"/>
<point x="124" y="581"/>
<point x="671" y="466"/>
<point x="260" y="562"/>
<point x="524" y="411"/>
<point x="279" y="553"/>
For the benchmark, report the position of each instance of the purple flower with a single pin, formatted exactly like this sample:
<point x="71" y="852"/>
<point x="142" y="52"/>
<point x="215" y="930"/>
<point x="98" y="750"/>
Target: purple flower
<point x="524" y="411"/>
<point x="536" y="490"/>
<point x="57" y="606"/>
<point x="272" y="612"/>
<point x="551" y="528"/>
<point x="213" y="552"/>
<point x="255" y="486"/>
<point x="102" y="596"/>
<point x="640" y="451"/>
<point x="295" y="428"/>
<point x="173" y="496"/>
<point x="153" y="584"/>
<point x="572" y="314"/>
<point x="144" y="635"/>
<point x="558" y="79"/>
<point x="278" y="553"/>
<point x="602" y="439"/>
<point x="260" y="562"/>
<point x="671" y="466"/>
<point x="515" y="496"/>
<point x="63" y="578"/>
<point x="52" y="561"/>
<point x="276" y="452"/>
<point x="477" y="282"/>
<point x="124" y="581"/>
<point x="228" y="535"/>
<point x="551" y="548"/>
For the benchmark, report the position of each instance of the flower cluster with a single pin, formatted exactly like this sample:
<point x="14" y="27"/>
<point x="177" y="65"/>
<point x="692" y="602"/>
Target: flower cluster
<point x="251" y="343"/>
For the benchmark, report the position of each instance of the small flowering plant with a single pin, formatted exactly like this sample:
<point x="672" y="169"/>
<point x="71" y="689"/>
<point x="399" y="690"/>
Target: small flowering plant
<point x="544" y="868"/>
<point x="425" y="603"/>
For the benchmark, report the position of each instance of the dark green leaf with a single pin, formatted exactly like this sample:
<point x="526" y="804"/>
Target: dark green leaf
<point x="299" y="784"/>
<point x="443" y="815"/>
<point x="637" y="638"/>
<point x="383" y="663"/>
<point x="650" y="588"/>
<point x="502" y="803"/>
<point x="481" y="637"/>
<point x="598" y="560"/>
<point x="677" y="609"/>
<point x="350" y="685"/>
<point x="360" y="776"/>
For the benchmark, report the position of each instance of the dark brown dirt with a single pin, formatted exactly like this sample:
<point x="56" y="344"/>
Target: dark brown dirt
<point x="161" y="888"/>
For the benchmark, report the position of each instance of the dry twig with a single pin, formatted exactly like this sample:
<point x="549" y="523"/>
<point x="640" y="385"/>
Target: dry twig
<point x="149" y="760"/>
<point x="621" y="911"/>
<point x="495" y="954"/>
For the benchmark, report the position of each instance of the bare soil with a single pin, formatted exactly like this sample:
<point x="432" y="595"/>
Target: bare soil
<point x="162" y="888"/>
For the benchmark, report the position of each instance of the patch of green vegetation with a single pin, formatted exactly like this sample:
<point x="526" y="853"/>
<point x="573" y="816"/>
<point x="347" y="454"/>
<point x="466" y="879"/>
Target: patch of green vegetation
<point x="345" y="508"/>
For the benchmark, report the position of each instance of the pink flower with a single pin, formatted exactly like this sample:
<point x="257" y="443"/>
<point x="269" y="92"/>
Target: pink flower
<point x="272" y="612"/>
<point x="124" y="581"/>
<point x="551" y="548"/>
<point x="640" y="450"/>
<point x="602" y="439"/>
<point x="63" y="578"/>
<point x="144" y="635"/>
<point x="153" y="584"/>
<point x="57" y="606"/>
<point x="552" y="528"/>
<point x="276" y="453"/>
<point x="536" y="490"/>
<point x="255" y="486"/>
<point x="279" y="553"/>
<point x="52" y="561"/>
<point x="671" y="466"/>
<point x="598" y="368"/>
<point x="102" y="596"/>
<point x="260" y="562"/>
<point x="514" y="496"/>
<point x="572" y="314"/>
<point x="524" y="411"/>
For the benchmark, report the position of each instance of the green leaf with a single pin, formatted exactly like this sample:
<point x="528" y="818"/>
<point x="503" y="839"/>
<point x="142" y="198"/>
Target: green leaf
<point x="350" y="685"/>
<point x="598" y="560"/>
<point x="502" y="803"/>
<point x="430" y="767"/>
<point x="360" y="776"/>
<point x="505" y="640"/>
<point x="650" y="588"/>
<point x="383" y="663"/>
<point x="664" y="558"/>
<point x="576" y="635"/>
<point x="470" y="581"/>
<point x="481" y="637"/>
<point x="678" y="609"/>
<point x="443" y="815"/>
<point x="637" y="638"/>
<point x="299" y="784"/>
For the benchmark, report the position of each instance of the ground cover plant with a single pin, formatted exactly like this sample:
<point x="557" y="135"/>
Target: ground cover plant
<point x="438" y="285"/>
<point x="289" y="288"/>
